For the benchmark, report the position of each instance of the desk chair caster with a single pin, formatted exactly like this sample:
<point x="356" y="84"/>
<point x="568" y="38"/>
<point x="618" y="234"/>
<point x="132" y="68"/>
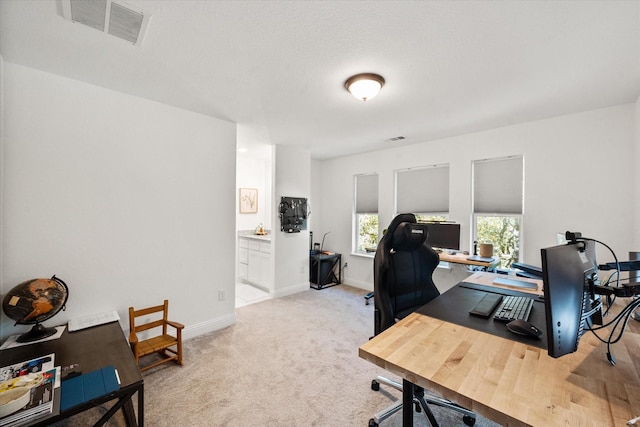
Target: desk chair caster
<point x="467" y="420"/>
<point x="375" y="386"/>
<point x="367" y="297"/>
<point x="419" y="402"/>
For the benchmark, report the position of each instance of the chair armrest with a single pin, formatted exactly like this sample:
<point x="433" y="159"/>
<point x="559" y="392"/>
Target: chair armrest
<point x="176" y="325"/>
<point x="133" y="338"/>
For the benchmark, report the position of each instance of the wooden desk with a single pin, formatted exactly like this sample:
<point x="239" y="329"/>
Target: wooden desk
<point x="92" y="348"/>
<point x="460" y="258"/>
<point x="485" y="278"/>
<point x="512" y="383"/>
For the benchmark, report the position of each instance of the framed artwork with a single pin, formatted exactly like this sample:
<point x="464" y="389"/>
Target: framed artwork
<point x="248" y="200"/>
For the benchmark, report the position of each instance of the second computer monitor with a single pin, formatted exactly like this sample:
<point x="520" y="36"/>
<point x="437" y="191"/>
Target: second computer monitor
<point x="443" y="235"/>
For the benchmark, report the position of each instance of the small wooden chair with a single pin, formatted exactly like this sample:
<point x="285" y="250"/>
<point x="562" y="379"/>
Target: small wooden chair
<point x="161" y="344"/>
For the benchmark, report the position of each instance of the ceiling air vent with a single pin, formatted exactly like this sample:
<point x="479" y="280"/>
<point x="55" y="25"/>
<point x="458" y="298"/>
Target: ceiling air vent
<point x="108" y="16"/>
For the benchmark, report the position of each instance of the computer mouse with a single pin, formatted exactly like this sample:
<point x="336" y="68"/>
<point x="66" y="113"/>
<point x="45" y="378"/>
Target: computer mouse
<point x="522" y="327"/>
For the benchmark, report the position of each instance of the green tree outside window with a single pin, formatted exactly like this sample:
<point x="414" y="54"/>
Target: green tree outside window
<point x="504" y="233"/>
<point x="367" y="232"/>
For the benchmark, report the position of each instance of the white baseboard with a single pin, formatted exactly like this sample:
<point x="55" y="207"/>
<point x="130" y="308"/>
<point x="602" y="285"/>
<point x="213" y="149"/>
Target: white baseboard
<point x="289" y="290"/>
<point x="211" y="325"/>
<point x="222" y="322"/>
<point x="361" y="285"/>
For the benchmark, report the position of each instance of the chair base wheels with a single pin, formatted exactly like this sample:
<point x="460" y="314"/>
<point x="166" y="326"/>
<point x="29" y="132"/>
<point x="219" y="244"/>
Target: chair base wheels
<point x="470" y="421"/>
<point x="367" y="297"/>
<point x="418" y="400"/>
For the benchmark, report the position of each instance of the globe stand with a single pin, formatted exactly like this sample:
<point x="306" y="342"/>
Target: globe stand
<point x="35" y="301"/>
<point x="38" y="332"/>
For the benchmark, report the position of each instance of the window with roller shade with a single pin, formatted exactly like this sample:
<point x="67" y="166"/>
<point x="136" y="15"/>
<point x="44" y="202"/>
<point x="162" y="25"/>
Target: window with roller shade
<point x="424" y="192"/>
<point x="366" y="213"/>
<point x="498" y="206"/>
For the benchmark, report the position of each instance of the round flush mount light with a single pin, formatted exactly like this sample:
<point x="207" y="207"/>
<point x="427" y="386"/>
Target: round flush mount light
<point x="364" y="86"/>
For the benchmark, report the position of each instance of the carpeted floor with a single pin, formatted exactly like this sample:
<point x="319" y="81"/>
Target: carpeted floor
<point x="290" y="361"/>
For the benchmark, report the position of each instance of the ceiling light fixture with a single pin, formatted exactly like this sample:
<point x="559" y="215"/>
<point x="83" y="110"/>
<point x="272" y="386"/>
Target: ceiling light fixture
<point x="364" y="86"/>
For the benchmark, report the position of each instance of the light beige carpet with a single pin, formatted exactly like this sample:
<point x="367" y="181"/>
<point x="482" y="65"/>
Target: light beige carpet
<point x="291" y="361"/>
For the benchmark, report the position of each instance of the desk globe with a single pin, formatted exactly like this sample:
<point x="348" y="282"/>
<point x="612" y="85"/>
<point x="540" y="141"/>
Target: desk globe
<point x="34" y="301"/>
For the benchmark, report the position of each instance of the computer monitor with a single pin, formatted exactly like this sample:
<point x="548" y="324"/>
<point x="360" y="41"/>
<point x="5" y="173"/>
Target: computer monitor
<point x="568" y="273"/>
<point x="443" y="235"/>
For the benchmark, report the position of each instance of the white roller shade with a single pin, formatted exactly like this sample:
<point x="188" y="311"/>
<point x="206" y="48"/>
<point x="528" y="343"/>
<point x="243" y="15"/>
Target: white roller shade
<point x="498" y="186"/>
<point x="423" y="190"/>
<point x="367" y="194"/>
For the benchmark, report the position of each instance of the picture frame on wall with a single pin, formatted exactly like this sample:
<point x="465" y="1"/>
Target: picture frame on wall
<point x="248" y="200"/>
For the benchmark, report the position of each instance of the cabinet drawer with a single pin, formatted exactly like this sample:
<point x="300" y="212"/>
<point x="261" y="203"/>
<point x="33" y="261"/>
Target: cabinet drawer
<point x="254" y="245"/>
<point x="265" y="247"/>
<point x="243" y="271"/>
<point x="243" y="255"/>
<point x="243" y="243"/>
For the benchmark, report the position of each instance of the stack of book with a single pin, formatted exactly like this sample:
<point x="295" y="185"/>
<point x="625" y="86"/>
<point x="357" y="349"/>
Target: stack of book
<point x="27" y="390"/>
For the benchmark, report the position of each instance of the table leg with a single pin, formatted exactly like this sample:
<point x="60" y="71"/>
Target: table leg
<point x="129" y="413"/>
<point x="407" y="403"/>
<point x="141" y="406"/>
<point x="124" y="403"/>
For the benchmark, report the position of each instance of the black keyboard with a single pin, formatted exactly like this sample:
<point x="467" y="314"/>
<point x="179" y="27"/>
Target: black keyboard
<point x="513" y="308"/>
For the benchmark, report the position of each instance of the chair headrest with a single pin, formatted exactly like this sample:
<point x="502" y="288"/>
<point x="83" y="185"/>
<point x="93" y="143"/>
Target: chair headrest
<point x="409" y="236"/>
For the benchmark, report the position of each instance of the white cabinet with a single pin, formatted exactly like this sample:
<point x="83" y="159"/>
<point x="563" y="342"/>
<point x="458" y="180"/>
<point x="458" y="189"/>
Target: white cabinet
<point x="243" y="259"/>
<point x="254" y="262"/>
<point x="264" y="275"/>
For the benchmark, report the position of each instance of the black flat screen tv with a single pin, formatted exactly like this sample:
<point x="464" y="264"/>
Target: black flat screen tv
<point x="443" y="235"/>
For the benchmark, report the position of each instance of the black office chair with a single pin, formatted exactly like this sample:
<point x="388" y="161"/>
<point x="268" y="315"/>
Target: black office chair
<point x="402" y="276"/>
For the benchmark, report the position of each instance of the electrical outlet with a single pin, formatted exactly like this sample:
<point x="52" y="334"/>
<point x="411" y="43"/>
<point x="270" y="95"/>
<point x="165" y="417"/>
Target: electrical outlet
<point x="221" y="295"/>
<point x="346" y="264"/>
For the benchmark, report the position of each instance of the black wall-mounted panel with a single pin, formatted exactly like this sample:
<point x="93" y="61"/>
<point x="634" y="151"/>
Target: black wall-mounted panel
<point x="293" y="214"/>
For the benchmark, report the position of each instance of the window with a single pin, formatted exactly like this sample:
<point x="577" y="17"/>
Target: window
<point x="423" y="192"/>
<point x="431" y="218"/>
<point x="498" y="200"/>
<point x="367" y="237"/>
<point x="504" y="232"/>
<point x="366" y="213"/>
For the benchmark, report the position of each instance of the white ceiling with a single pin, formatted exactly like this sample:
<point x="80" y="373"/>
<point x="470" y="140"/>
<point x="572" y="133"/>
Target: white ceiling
<point x="277" y="68"/>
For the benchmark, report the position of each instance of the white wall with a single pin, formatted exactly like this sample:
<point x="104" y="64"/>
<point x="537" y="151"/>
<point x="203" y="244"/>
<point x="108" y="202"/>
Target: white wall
<point x="291" y="250"/>
<point x="314" y="219"/>
<point x="635" y="179"/>
<point x="578" y="172"/>
<point x="127" y="200"/>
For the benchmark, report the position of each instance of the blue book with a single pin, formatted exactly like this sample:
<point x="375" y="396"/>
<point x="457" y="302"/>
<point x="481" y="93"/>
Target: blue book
<point x="89" y="386"/>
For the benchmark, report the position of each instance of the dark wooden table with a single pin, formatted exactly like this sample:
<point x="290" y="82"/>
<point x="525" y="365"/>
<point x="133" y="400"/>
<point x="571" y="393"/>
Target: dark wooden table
<point x="92" y="348"/>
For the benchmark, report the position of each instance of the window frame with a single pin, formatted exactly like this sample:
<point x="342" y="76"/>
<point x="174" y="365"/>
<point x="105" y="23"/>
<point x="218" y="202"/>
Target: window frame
<point x="487" y="213"/>
<point x="432" y="216"/>
<point x="359" y="212"/>
<point x="424" y="172"/>
<point x="520" y="218"/>
<point x="356" y="244"/>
